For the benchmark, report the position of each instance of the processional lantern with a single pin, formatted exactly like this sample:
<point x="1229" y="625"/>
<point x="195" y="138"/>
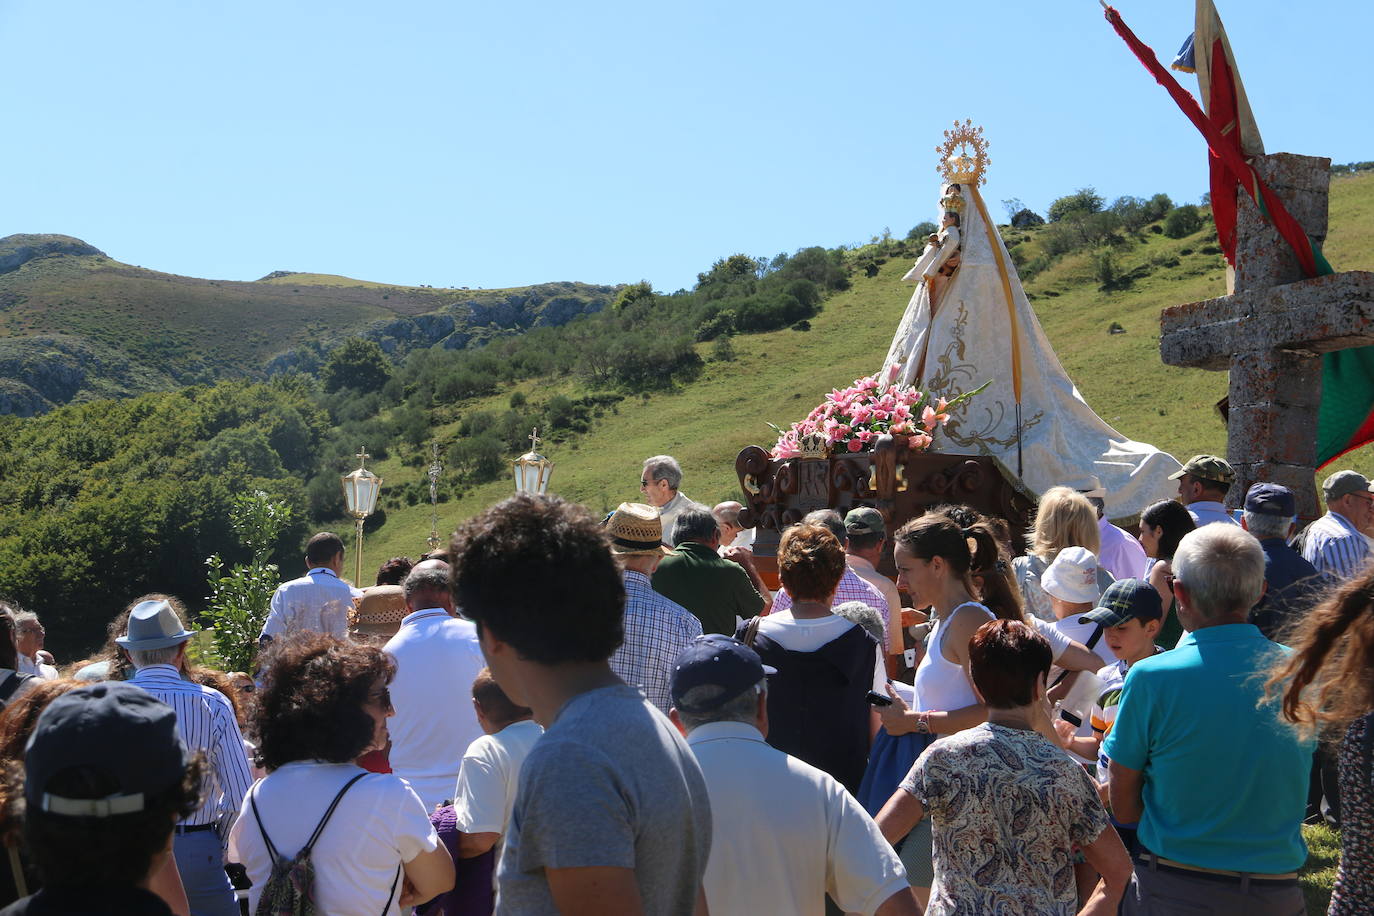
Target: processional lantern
<point x="533" y="470"/>
<point x="360" y="489"/>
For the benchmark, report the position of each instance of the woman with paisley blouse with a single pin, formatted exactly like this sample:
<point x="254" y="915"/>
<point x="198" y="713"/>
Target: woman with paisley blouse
<point x="1006" y="805"/>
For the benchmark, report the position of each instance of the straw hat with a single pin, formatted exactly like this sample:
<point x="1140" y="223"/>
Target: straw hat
<point x="635" y="530"/>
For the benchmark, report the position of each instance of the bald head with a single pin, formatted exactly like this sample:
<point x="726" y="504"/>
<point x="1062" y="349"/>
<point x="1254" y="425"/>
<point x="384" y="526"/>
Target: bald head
<point x="428" y="586"/>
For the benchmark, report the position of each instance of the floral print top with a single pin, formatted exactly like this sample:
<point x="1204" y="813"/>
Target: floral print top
<point x="1006" y="809"/>
<point x="1354" y="891"/>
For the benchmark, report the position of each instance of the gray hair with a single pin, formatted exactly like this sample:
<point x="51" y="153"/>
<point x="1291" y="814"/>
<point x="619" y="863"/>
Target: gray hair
<point x="743" y="708"/>
<point x="1267" y="526"/>
<point x="1222" y="567"/>
<point x="828" y="518"/>
<point x="23" y="617"/>
<point x="865" y="616"/>
<point x="664" y="467"/>
<point x="728" y="512"/>
<point x="425" y="578"/>
<point x="142" y="658"/>
<point x="695" y="523"/>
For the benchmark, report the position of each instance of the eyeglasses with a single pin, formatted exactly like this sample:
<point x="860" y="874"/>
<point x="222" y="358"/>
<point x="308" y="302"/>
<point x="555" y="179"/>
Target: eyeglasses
<point x="381" y="697"/>
<point x="643" y="483"/>
<point x="1169" y="581"/>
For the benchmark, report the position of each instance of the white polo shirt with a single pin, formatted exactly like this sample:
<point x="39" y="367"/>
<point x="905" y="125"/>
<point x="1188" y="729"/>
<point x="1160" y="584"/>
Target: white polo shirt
<point x="783" y="833"/>
<point x="437" y="659"/>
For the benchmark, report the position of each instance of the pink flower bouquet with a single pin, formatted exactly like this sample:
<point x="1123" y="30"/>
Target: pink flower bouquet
<point x="851" y="420"/>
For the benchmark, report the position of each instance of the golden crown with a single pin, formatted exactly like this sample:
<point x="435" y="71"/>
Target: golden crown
<point x="964" y="154"/>
<point x="952" y="201"/>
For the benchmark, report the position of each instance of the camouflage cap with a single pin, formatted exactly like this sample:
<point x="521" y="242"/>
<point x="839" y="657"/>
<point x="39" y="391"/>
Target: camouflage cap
<point x="1207" y="467"/>
<point x="864" y="520"/>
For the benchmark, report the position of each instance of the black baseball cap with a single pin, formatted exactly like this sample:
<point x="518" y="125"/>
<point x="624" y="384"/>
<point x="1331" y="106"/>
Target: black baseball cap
<point x="1124" y="599"/>
<point x="115" y="728"/>
<point x="720" y="661"/>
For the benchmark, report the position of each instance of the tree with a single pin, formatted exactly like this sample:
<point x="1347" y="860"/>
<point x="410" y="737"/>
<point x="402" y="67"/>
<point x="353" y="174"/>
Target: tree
<point x="1082" y="201"/>
<point x="240" y="598"/>
<point x="632" y="294"/>
<point x="359" y="364"/>
<point x="1013" y="207"/>
<point x="1182" y="221"/>
<point x="921" y="230"/>
<point x="1025" y="219"/>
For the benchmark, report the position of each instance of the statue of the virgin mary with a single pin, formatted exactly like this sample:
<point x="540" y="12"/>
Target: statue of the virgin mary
<point x="969" y="322"/>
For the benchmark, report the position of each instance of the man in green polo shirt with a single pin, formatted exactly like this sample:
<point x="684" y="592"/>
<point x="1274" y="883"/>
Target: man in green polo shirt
<point x="1217" y="781"/>
<point x="714" y="589"/>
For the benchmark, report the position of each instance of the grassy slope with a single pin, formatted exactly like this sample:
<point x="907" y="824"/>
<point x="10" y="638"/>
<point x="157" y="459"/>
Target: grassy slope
<point x="779" y="376"/>
<point x="184" y="320"/>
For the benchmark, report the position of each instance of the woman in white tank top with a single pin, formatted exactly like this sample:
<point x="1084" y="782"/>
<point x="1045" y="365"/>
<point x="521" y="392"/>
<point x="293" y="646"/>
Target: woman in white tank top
<point x="935" y="565"/>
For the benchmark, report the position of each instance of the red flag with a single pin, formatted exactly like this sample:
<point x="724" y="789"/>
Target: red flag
<point x="1225" y="150"/>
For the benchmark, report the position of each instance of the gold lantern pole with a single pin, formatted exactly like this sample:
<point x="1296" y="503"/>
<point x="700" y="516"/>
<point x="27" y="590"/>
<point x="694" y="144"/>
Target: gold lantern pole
<point x="360" y="490"/>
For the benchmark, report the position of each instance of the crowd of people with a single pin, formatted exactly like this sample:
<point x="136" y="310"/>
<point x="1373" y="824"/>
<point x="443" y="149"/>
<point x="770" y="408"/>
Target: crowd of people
<point x="560" y="712"/>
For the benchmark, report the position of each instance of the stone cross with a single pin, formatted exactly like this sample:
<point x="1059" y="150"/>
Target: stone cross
<point x="1270" y="333"/>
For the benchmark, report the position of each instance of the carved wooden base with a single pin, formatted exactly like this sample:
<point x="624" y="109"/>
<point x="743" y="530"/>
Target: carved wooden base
<point x="897" y="482"/>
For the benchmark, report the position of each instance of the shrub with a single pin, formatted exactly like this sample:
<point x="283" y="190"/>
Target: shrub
<point x="1026" y="218"/>
<point x="240" y="597"/>
<point x="724" y="350"/>
<point x="518" y="399"/>
<point x="1105" y="270"/>
<point x="1084" y="200"/>
<point x="1182" y="221"/>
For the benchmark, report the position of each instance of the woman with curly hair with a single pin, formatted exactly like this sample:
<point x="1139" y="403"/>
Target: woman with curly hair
<point x="1328" y="687"/>
<point x="817" y="706"/>
<point x="324" y="702"/>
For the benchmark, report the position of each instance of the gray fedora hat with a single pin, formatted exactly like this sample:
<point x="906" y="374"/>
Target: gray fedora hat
<point x="153" y="625"/>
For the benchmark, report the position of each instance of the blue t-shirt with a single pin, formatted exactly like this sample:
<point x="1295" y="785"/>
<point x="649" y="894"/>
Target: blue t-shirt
<point x="1225" y="779"/>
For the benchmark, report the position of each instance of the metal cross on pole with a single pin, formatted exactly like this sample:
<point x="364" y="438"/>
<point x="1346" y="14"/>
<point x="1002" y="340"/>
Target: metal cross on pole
<point x="435" y="469"/>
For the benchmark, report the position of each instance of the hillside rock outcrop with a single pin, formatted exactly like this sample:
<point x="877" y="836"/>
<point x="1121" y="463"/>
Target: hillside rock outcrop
<point x="18" y="250"/>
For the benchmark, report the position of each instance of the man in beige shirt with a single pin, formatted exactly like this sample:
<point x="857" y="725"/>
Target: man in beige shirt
<point x="867" y="534"/>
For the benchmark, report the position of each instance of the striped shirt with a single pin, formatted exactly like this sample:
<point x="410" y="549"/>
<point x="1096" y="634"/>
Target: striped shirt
<point x="851" y="588"/>
<point x="319" y="602"/>
<point x="206" y="722"/>
<point x="656" y="632"/>
<point x="1335" y="547"/>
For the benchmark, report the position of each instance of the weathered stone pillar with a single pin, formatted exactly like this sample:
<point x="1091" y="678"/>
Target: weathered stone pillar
<point x="1274" y="393"/>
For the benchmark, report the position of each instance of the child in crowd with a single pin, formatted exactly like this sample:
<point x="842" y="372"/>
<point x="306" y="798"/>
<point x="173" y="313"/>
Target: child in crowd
<point x="472" y="825"/>
<point x="1130" y="616"/>
<point x="1071" y="582"/>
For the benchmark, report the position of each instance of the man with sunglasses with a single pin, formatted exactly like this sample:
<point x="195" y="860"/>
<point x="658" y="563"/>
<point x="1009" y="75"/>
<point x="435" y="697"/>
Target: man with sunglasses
<point x="1334" y="543"/>
<point x="659" y="482"/>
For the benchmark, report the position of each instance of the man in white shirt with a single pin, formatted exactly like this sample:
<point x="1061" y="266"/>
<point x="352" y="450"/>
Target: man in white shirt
<point x="1334" y="543"/>
<point x="437" y="659"/>
<point x="784" y="834"/>
<point x="1119" y="553"/>
<point x="484" y="797"/>
<point x="319" y="601"/>
<point x="28" y="638"/>
<point x="1202" y="486"/>
<point x="659" y="482"/>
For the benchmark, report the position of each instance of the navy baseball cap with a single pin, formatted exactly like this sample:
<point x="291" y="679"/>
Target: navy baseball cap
<point x="1124" y="599"/>
<point x="114" y="728"/>
<point x="719" y="661"/>
<point x="1271" y="499"/>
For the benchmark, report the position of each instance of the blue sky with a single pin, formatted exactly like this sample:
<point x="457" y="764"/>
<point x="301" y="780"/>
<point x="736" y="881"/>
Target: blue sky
<point x="499" y="144"/>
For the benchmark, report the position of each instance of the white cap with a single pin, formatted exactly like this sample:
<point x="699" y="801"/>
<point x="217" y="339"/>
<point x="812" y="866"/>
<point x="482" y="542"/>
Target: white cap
<point x="1072" y="576"/>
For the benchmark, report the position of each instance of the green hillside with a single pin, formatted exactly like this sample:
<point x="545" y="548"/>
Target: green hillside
<point x="778" y="376"/>
<point x="76" y="325"/>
